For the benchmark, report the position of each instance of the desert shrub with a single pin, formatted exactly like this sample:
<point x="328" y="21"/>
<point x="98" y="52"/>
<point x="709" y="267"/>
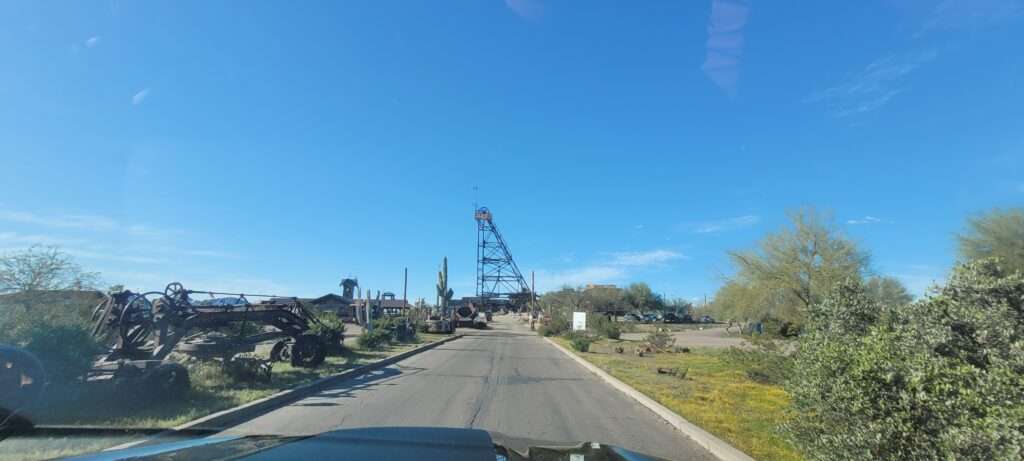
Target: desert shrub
<point x="65" y="351"/>
<point x="398" y="329"/>
<point x="604" y="326"/>
<point x="765" y="362"/>
<point x="660" y="340"/>
<point x="332" y="330"/>
<point x="328" y="323"/>
<point x="580" y="341"/>
<point x="940" y="378"/>
<point x="374" y="340"/>
<point x="556" y="326"/>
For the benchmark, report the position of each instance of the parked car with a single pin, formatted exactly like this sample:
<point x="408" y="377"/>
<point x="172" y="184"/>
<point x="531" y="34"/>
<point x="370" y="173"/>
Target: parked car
<point x="631" y="318"/>
<point x="707" y="319"/>
<point x="671" y="318"/>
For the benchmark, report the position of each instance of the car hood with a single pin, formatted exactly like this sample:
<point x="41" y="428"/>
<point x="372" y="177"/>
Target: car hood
<point x="378" y="444"/>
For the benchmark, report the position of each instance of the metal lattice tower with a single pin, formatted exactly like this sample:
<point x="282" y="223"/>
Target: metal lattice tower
<point x="497" y="276"/>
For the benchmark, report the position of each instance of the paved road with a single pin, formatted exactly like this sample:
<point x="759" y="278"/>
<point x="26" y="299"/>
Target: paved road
<point x="505" y="379"/>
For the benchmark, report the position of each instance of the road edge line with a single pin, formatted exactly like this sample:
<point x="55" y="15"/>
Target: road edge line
<point x="716" y="446"/>
<point x="236" y="415"/>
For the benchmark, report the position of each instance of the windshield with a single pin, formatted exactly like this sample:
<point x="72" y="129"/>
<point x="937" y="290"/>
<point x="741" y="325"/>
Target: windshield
<point x="693" y="229"/>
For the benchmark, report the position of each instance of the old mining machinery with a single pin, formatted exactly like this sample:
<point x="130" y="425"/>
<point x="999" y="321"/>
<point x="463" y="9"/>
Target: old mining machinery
<point x="143" y="329"/>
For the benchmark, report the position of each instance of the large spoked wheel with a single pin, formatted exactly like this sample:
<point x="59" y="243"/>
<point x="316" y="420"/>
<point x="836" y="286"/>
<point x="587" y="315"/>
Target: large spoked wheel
<point x="136" y="322"/>
<point x="281" y="352"/>
<point x="308" y="351"/>
<point x="177" y="293"/>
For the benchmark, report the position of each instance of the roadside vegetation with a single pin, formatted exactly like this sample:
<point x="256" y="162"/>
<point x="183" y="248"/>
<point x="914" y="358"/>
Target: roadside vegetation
<point x="46" y="305"/>
<point x="842" y="363"/>
<point x="708" y="389"/>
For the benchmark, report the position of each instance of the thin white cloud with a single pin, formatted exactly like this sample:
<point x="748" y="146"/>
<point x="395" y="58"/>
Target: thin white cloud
<point x="211" y="253"/>
<point x="865" y="220"/>
<point x="553" y="280"/>
<point x="91" y="42"/>
<point x="526" y="9"/>
<point x="33" y="239"/>
<point x="89" y="222"/>
<point x="728" y="224"/>
<point x="638" y="226"/>
<point x="116" y="257"/>
<point x="725" y="43"/>
<point x="971" y="14"/>
<point x="138" y="243"/>
<point x="645" y="258"/>
<point x="871" y="88"/>
<point x="616" y="268"/>
<point x="140" y="96"/>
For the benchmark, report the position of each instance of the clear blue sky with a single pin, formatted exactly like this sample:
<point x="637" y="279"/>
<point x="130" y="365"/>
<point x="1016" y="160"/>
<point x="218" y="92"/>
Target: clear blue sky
<point x="265" y="146"/>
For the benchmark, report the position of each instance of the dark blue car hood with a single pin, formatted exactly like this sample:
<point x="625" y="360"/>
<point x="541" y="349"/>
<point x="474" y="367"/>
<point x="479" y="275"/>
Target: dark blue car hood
<point x="377" y="444"/>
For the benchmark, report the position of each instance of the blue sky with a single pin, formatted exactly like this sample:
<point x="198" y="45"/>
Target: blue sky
<point x="279" y="146"/>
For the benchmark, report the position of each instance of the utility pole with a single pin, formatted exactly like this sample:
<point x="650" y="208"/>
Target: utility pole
<point x="369" y="312"/>
<point x="533" y="293"/>
<point x="405" y="287"/>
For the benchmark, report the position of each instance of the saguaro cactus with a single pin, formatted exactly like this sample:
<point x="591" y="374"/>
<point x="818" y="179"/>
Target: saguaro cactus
<point x="444" y="294"/>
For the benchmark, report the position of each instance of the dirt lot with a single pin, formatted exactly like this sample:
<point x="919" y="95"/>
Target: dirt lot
<point x="712" y="337"/>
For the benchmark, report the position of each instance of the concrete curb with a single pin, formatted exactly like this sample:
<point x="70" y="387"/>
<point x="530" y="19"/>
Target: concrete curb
<point x="232" y="416"/>
<point x="718" y="447"/>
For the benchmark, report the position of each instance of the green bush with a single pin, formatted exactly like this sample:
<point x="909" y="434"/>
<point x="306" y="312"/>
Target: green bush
<point x="941" y="378"/>
<point x="331" y="329"/>
<point x="660" y="340"/>
<point x="399" y="329"/>
<point x="604" y="326"/>
<point x="580" y="341"/>
<point x="765" y="362"/>
<point x="555" y="326"/>
<point x="65" y="351"/>
<point x="374" y="340"/>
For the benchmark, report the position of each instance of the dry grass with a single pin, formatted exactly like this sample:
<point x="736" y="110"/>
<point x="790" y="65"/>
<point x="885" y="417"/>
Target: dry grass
<point x="714" y="395"/>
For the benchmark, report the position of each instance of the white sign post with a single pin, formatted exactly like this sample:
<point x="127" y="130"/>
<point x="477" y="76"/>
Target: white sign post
<point x="579" y="321"/>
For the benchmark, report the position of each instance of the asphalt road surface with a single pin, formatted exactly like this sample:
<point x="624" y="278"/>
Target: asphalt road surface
<point x="505" y="379"/>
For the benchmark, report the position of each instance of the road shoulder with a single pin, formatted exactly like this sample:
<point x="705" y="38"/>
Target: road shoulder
<point x="714" y="445"/>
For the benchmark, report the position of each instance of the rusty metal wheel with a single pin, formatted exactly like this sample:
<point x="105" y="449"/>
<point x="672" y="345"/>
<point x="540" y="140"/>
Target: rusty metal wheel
<point x="281" y="352"/>
<point x="177" y="293"/>
<point x="308" y="351"/>
<point x="135" y="325"/>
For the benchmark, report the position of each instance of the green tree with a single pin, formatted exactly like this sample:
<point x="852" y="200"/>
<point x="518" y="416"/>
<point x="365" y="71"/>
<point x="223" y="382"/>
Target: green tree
<point x="46" y="308"/>
<point x="640" y="296"/>
<point x="887" y="291"/>
<point x="602" y="299"/>
<point x="940" y="378"/>
<point x="679" y="306"/>
<point x="999" y="234"/>
<point x="562" y="303"/>
<point x="43" y="268"/>
<point x="797" y="266"/>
